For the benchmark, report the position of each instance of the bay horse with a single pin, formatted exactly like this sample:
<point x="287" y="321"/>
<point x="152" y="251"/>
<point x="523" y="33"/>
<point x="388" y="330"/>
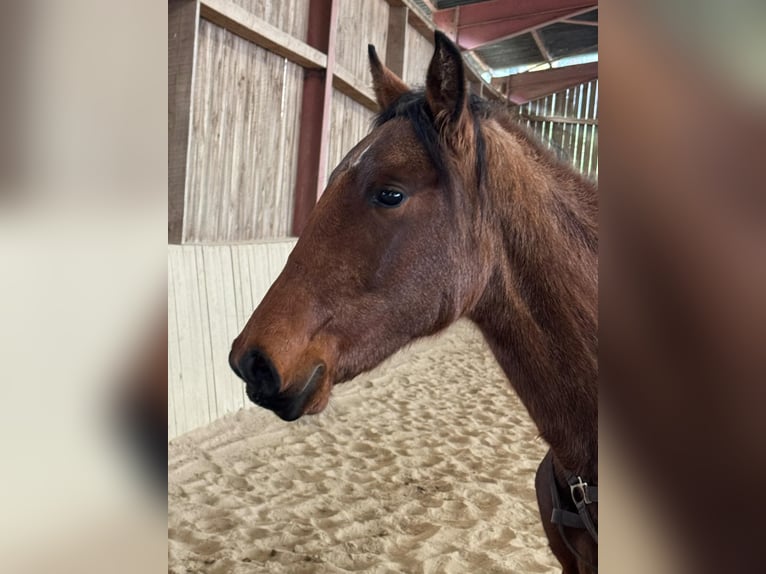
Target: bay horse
<point x="446" y="209"/>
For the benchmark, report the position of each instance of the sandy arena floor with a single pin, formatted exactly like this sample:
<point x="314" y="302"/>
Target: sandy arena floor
<point x="424" y="465"/>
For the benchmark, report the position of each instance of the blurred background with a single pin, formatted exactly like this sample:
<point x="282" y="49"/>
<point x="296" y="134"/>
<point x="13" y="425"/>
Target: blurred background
<point x="88" y="209"/>
<point x="82" y="283"/>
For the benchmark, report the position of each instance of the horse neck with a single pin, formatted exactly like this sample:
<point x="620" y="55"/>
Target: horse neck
<point x="538" y="311"/>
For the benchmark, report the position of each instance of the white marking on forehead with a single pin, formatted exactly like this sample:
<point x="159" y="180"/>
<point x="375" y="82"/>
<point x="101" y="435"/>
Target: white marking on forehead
<point x="359" y="157"/>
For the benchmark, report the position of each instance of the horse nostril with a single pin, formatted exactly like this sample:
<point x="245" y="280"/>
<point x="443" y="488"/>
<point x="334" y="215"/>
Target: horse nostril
<point x="233" y="365"/>
<point x="259" y="373"/>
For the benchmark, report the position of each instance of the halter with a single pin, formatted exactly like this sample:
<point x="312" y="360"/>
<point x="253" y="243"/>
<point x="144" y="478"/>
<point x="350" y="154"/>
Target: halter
<point x="582" y="494"/>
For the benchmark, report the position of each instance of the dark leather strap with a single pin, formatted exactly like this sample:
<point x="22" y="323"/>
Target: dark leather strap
<point x="566" y="518"/>
<point x="582" y="494"/>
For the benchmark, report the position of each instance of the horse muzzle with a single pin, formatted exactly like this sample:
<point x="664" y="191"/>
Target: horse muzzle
<point x="265" y="387"/>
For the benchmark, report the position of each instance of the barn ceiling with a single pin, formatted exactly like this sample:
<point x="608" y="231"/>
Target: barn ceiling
<point x="526" y="48"/>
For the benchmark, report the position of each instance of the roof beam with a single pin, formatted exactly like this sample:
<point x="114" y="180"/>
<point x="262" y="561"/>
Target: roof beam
<point x="580" y="22"/>
<point x="522" y="88"/>
<point x="475" y="25"/>
<point x="541" y="46"/>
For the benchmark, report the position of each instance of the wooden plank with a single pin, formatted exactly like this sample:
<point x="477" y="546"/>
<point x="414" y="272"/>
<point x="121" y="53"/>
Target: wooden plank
<point x="345" y="83"/>
<point x="175" y="388"/>
<point x="290" y="16"/>
<point x="205" y="334"/>
<point x="239" y="21"/>
<point x="418" y="57"/>
<point x="396" y="44"/>
<point x="580" y="22"/>
<point x="359" y="23"/>
<point x="242" y="157"/>
<point x="183" y="18"/>
<point x="561" y="119"/>
<point x="593" y="152"/>
<point x="586" y="131"/>
<point x="191" y="386"/>
<point x="350" y="123"/>
<point x="222" y="324"/>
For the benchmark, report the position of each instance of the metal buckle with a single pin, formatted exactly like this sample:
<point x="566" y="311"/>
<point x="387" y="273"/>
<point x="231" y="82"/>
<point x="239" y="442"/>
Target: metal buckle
<point x="579" y="491"/>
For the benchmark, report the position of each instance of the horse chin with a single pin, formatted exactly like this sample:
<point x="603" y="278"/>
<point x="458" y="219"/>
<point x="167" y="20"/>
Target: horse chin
<point x="319" y="401"/>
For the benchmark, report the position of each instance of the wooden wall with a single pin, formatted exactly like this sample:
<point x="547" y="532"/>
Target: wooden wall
<point x="237" y="73"/>
<point x="212" y="290"/>
<point x="243" y="152"/>
<point x="360" y="22"/>
<point x="350" y="122"/>
<point x="568" y="121"/>
<point x="419" y="52"/>
<point x="235" y="166"/>
<point x="291" y="16"/>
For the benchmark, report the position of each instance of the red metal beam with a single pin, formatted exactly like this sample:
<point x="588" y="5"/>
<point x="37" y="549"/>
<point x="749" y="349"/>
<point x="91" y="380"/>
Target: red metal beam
<point x="476" y="25"/>
<point x="528" y="86"/>
<point x="315" y="113"/>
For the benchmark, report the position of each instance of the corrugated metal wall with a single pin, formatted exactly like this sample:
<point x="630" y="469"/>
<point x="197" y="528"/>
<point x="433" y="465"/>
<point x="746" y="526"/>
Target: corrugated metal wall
<point x="568" y="121"/>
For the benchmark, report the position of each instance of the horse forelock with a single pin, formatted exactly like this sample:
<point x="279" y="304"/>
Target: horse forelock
<point x="413" y="107"/>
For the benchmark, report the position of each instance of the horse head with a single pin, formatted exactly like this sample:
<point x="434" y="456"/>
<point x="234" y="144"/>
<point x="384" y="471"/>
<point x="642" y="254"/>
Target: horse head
<point x="392" y="251"/>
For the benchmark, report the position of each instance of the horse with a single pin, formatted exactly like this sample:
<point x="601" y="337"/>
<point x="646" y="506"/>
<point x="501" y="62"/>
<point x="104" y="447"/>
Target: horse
<point x="448" y="208"/>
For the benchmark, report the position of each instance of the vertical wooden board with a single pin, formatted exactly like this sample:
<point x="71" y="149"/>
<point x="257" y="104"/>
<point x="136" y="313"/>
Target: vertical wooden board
<point x="577" y="128"/>
<point x="595" y="133"/>
<point x="595" y="99"/>
<point x="585" y="133"/>
<point x="259" y="271"/>
<point x="594" y="153"/>
<point x="244" y="288"/>
<point x="572" y="113"/>
<point x="241" y="258"/>
<point x="224" y="327"/>
<point x="243" y="155"/>
<point x="360" y="22"/>
<point x="242" y="293"/>
<point x="205" y="333"/>
<point x="549" y="101"/>
<point x="566" y="142"/>
<point x="193" y="388"/>
<point x="560" y="111"/>
<point x="397" y="43"/>
<point x="290" y="16"/>
<point x="350" y="123"/>
<point x="290" y="112"/>
<point x="183" y="18"/>
<point x="419" y="53"/>
<point x="176" y="420"/>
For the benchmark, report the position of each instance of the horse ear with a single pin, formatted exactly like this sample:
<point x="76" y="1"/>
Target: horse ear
<point x="387" y="85"/>
<point x="445" y="81"/>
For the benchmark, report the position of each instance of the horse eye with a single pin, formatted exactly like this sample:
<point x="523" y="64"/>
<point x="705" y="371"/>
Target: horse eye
<point x="389" y="197"/>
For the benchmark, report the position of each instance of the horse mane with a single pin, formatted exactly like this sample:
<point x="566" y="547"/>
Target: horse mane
<point x="413" y="107"/>
<point x="547" y="211"/>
